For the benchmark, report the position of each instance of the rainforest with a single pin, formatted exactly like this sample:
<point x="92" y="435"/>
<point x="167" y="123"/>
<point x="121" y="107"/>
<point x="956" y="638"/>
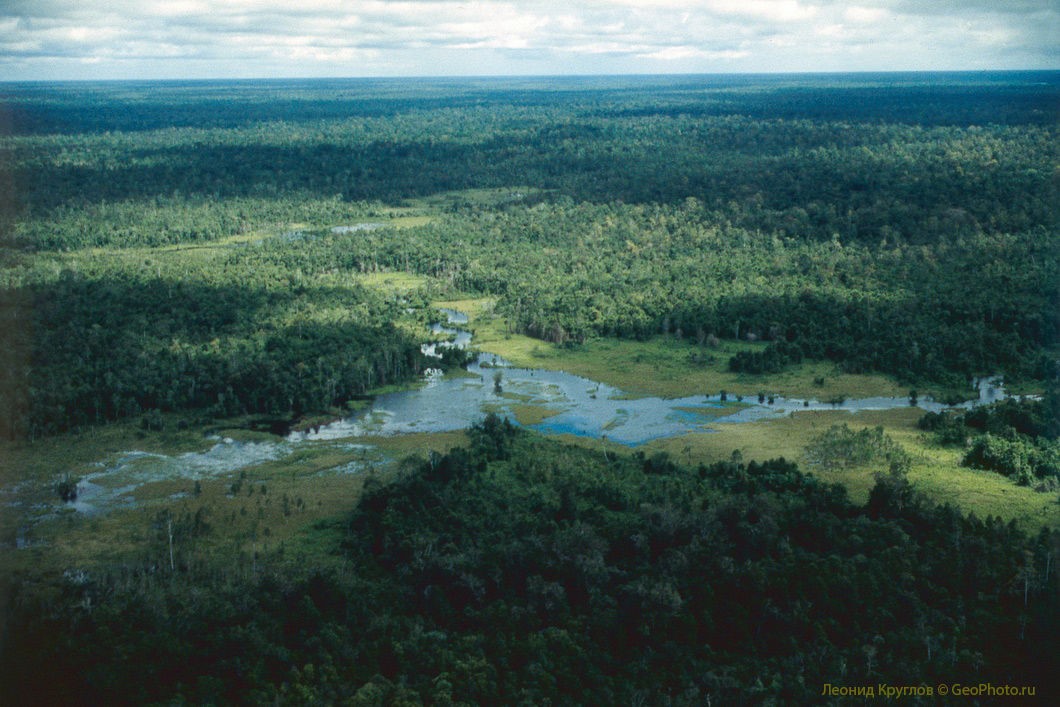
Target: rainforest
<point x="541" y="390"/>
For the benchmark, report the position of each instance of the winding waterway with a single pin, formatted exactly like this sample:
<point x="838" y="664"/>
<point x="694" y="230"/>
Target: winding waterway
<point x="564" y="404"/>
<point x="576" y="405"/>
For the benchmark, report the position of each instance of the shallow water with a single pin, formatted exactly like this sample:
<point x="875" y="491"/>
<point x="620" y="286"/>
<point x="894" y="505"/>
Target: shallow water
<point x="576" y="405"/>
<point x="115" y="481"/>
<point x="457" y="338"/>
<point x="581" y="406"/>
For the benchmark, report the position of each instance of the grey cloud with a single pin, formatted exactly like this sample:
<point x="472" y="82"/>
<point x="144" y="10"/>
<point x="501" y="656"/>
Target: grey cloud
<point x="959" y="7"/>
<point x="414" y="35"/>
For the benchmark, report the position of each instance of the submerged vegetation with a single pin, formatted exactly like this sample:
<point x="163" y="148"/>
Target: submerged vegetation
<point x="252" y="257"/>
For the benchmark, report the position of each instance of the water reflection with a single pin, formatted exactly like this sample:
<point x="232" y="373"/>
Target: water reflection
<point x="562" y="402"/>
<point x="579" y="406"/>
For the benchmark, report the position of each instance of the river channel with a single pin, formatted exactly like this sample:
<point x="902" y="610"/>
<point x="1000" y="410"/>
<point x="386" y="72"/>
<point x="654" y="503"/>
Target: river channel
<point x="563" y="404"/>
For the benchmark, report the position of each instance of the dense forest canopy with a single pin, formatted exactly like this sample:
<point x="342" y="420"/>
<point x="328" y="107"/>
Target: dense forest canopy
<point x="837" y="217"/>
<point x="522" y="571"/>
<point x="199" y="250"/>
<point x="938" y="98"/>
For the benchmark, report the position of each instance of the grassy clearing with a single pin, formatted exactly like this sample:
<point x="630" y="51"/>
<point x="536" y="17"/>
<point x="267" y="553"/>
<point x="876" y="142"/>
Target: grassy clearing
<point x="708" y="414"/>
<point x="664" y="366"/>
<point x="416" y="444"/>
<point x="262" y="510"/>
<point x="530" y="415"/>
<point x="291" y="507"/>
<point x="407" y="221"/>
<point x="478" y="309"/>
<point x="936" y="470"/>
<point x="400" y="282"/>
<point x="28" y="474"/>
<point x="47" y="458"/>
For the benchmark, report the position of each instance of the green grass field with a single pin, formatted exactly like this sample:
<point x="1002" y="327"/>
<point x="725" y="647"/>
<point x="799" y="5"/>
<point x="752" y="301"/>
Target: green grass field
<point x="936" y="470"/>
<point x="663" y="365"/>
<point x="260" y="507"/>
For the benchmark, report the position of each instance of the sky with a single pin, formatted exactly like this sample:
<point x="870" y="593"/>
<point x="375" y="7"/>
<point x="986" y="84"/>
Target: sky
<point x="157" y="39"/>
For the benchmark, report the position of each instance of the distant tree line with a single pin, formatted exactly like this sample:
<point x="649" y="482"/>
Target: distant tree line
<point x="878" y="223"/>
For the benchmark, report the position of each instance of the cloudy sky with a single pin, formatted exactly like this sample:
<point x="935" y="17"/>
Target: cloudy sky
<point x="81" y="39"/>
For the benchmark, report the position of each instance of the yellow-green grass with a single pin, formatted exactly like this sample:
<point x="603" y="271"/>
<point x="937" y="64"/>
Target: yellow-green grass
<point x="936" y="470"/>
<point x="664" y="366"/>
<point x="35" y="467"/>
<point x="204" y="250"/>
<point x="398" y="281"/>
<point x="210" y="248"/>
<point x="242" y="238"/>
<point x="272" y="506"/>
<point x="407" y="221"/>
<point x="478" y="309"/>
<point x="527" y="414"/>
<point x="416" y="444"/>
<point x="245" y="509"/>
<point x="47" y="458"/>
<point x="708" y="414"/>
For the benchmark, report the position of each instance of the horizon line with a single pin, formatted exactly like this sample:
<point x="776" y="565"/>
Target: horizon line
<point x="479" y="77"/>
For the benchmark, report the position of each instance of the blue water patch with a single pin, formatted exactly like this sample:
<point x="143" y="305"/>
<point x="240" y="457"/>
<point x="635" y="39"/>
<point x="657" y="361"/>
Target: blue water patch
<point x="581" y="407"/>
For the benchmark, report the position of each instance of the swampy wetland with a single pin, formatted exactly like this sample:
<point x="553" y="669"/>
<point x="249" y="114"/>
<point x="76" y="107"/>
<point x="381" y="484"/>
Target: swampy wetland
<point x="527" y="390"/>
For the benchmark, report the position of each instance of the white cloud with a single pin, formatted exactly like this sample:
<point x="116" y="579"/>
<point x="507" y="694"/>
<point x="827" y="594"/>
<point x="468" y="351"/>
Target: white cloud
<point x="686" y="53"/>
<point x="830" y="31"/>
<point x="44" y="38"/>
<point x="864" y="15"/>
<point x="771" y="10"/>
